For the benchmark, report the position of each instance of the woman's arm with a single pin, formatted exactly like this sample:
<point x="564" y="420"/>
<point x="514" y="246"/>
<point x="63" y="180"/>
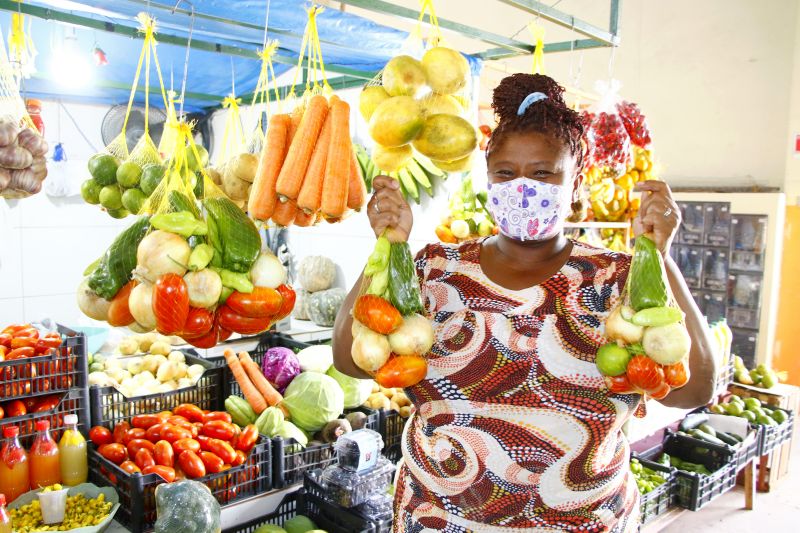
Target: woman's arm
<point x="343" y="336"/>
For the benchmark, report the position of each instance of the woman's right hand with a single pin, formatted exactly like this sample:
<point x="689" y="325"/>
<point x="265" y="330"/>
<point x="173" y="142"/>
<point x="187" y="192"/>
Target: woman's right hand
<point x="387" y="209"/>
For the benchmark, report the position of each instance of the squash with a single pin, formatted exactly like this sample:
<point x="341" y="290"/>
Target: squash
<point x="186" y="507"/>
<point x="301" y="304"/>
<point x="324" y="305"/>
<point x="316" y="273"/>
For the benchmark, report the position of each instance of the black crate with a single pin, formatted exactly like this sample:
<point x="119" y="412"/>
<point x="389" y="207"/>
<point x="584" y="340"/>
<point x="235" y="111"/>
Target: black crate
<point x="136" y="492"/>
<point x="392" y="425"/>
<point x="109" y="406"/>
<point x="290" y="506"/>
<point x="290" y="461"/>
<point x="58" y="371"/>
<point x="659" y="500"/>
<point x="334" y="518"/>
<point x="774" y="436"/>
<point x="73" y="402"/>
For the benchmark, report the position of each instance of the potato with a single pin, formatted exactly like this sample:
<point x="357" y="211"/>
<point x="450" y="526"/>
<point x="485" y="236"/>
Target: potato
<point x="393" y="406"/>
<point x="406" y="411"/>
<point x="234" y="187"/>
<point x="375" y="387"/>
<point x="146" y="340"/>
<point x="128" y="346"/>
<point x="401" y="399"/>
<point x="243" y="167"/>
<point x="215" y="176"/>
<point x="389" y="393"/>
<point x="160" y="348"/>
<point x="378" y="401"/>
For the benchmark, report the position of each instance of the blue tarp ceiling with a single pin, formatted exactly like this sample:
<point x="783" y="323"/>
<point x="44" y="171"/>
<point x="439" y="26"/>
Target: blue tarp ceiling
<point x="348" y="42"/>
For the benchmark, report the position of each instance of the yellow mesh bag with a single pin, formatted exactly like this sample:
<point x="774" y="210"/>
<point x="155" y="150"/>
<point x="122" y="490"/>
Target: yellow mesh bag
<point x="262" y="99"/>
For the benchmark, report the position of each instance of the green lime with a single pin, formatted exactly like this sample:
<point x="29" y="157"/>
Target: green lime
<point x="762" y="369"/>
<point x="735" y="398"/>
<point x="90" y="190"/>
<point x="752" y="403"/>
<point x="735" y="409"/>
<point x="133" y="200"/>
<point x="152" y="175"/>
<point x="750" y="416"/>
<point x="779" y="416"/>
<point x="768" y="379"/>
<point x="765" y="420"/>
<point x="128" y="174"/>
<point x="718" y="409"/>
<point x="192" y="161"/>
<point x="118" y="213"/>
<point x="103" y="168"/>
<point x="755" y="376"/>
<point x="111" y="197"/>
<point x="612" y="359"/>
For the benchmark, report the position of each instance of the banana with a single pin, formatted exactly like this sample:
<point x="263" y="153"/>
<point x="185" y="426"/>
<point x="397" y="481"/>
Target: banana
<point x="418" y="174"/>
<point x="429" y="167"/>
<point x="408" y="183"/>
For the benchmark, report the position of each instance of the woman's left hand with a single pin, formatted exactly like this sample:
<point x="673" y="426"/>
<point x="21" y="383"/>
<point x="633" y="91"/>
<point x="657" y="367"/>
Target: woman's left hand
<point x="658" y="215"/>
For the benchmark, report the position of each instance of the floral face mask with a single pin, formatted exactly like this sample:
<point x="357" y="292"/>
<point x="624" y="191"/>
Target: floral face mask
<point x="528" y="210"/>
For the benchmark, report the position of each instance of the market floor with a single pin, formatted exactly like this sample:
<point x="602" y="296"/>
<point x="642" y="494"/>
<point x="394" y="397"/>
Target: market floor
<point x="774" y="512"/>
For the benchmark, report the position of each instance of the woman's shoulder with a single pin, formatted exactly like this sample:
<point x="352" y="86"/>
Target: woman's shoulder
<point x="439" y="251"/>
<point x="600" y="257"/>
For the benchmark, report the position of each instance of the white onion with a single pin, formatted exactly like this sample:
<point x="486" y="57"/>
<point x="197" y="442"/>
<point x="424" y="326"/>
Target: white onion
<point x="140" y="304"/>
<point x="268" y="271"/>
<point x="666" y="345"/>
<point x="90" y="303"/>
<point x="370" y="350"/>
<point x="204" y="287"/>
<point x="620" y="329"/>
<point x="414" y="337"/>
<point x="162" y="252"/>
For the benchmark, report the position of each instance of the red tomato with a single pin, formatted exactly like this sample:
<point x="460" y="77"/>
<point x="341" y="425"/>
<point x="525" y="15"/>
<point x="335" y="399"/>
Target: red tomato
<point x="182" y="445"/>
<point x="138" y="444"/>
<point x="218" y="429"/>
<point x="177" y="420"/>
<point x="219" y="447"/>
<point x="191" y="464"/>
<point x="644" y="373"/>
<point x="240" y="458"/>
<point x="166" y="473"/>
<point x="289" y="297"/>
<point x="660" y="392"/>
<point x="237" y="323"/>
<point x="15" y="408"/>
<point x="144" y="458"/>
<point x="170" y="304"/>
<point x="163" y="454"/>
<point x="121" y="431"/>
<point x="247" y="439"/>
<point x="263" y="302"/>
<point x="224" y="334"/>
<point x="212" y="463"/>
<point x="174" y="433"/>
<point x="119" y="314"/>
<point x="217" y="415"/>
<point x="199" y="322"/>
<point x="163" y="415"/>
<point x="210" y="339"/>
<point x="677" y="375"/>
<point x="402" y="371"/>
<point x="154" y="432"/>
<point x="130" y="467"/>
<point x="190" y="412"/>
<point x="619" y="384"/>
<point x="115" y="452"/>
<point x="2" y="413"/>
<point x="135" y="433"/>
<point x="145" y="421"/>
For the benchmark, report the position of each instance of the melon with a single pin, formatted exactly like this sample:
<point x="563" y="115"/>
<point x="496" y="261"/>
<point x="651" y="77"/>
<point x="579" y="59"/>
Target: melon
<point x="459" y="165"/>
<point x="441" y="103"/>
<point x="403" y="76"/>
<point x="396" y="121"/>
<point x="370" y="98"/>
<point x="446" y="138"/>
<point x="391" y="159"/>
<point x="445" y="69"/>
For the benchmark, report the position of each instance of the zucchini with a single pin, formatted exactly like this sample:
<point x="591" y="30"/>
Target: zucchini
<point x="693" y="420"/>
<point x="233" y="234"/>
<point x="403" y="284"/>
<point x="727" y="438"/>
<point x="702" y="435"/>
<point x="118" y="262"/>
<point x="708" y="429"/>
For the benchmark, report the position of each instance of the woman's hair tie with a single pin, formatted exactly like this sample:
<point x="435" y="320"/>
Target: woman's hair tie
<point x="530" y="100"/>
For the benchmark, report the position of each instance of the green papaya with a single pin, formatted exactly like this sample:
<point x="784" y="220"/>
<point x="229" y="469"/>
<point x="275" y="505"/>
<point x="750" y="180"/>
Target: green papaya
<point x="647" y="285"/>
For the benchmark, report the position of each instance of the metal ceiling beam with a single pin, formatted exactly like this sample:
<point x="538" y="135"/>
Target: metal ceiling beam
<point x="563" y="46"/>
<point x="609" y="37"/>
<point x="155" y="92"/>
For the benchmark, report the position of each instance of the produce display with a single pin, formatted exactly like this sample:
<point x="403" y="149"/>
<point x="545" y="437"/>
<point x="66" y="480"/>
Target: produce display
<point x="761" y="376"/>
<point x="647" y="479"/>
<point x="467" y="217"/>
<point x="147" y="374"/>
<point x="649" y="343"/>
<point x="23" y="341"/>
<point x="752" y="410"/>
<point x="418" y="174"/>
<point x="80" y="512"/>
<point x="680" y="464"/>
<point x="697" y="425"/>
<point x="23" y="159"/>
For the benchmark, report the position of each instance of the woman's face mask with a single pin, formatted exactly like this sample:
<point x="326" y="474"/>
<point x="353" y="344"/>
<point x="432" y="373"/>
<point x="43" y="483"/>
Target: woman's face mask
<point x="529" y="210"/>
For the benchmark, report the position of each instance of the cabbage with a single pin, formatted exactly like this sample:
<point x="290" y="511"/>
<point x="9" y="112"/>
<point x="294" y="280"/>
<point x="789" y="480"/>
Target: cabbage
<point x="356" y="391"/>
<point x="313" y="399"/>
<point x="290" y="431"/>
<point x="317" y="358"/>
<point x="280" y="366"/>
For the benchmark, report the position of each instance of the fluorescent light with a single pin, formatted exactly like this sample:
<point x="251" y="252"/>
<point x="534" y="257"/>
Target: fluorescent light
<point x="70" y="66"/>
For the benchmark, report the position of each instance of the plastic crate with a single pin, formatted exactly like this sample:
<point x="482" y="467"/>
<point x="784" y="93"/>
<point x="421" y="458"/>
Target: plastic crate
<point x="60" y="370"/>
<point x="659" y="500"/>
<point x="725" y="377"/>
<point x="334" y="518"/>
<point x="290" y="461"/>
<point x="74" y="401"/>
<point x="109" y="406"/>
<point x="290" y="506"/>
<point x="774" y="436"/>
<point x="136" y="492"/>
<point x="391" y="429"/>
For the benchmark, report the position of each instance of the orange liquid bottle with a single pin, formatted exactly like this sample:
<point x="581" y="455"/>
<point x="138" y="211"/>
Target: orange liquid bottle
<point x="14" y="476"/>
<point x="45" y="467"/>
<point x="5" y="520"/>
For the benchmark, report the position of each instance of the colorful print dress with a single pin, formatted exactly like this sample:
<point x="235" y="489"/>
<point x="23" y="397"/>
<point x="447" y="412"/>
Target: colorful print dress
<point x="515" y="429"/>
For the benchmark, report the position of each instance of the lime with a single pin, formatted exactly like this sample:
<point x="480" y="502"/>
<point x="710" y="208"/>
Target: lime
<point x="758" y="412"/>
<point x="90" y="190"/>
<point x="118" y="213"/>
<point x="751" y="403"/>
<point x="750" y="416"/>
<point x="612" y="359"/>
<point x="192" y="161"/>
<point x="765" y="420"/>
<point x="111" y="197"/>
<point x="133" y="200"/>
<point x="152" y="175"/>
<point x="755" y="376"/>
<point x="103" y="168"/>
<point x="735" y="409"/>
<point x="128" y="174"/>
<point x="718" y="409"/>
<point x="735" y="398"/>
<point x="779" y="416"/>
<point x="768" y="379"/>
<point x="762" y="369"/>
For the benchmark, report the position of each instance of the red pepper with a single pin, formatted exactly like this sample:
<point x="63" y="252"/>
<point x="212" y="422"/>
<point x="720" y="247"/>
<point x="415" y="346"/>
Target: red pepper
<point x="20" y="353"/>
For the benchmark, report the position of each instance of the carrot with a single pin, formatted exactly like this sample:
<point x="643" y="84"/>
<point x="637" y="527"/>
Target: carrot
<point x="356" y="189"/>
<point x="297" y="116"/>
<point x="271" y="396"/>
<point x="290" y="180"/>
<point x="304" y="219"/>
<point x="285" y="213"/>
<point x="250" y="392"/>
<point x="262" y="196"/>
<point x="337" y="166"/>
<point x="311" y="192"/>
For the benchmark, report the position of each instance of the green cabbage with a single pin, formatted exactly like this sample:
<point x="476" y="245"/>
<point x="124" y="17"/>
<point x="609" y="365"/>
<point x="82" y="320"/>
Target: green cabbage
<point x="313" y="399"/>
<point x="316" y="358"/>
<point x="270" y="421"/>
<point x="290" y="431"/>
<point x="356" y="391"/>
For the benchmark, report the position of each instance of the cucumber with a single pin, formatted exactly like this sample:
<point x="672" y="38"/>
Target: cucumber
<point x="708" y="429"/>
<point x="693" y="420"/>
<point x="727" y="438"/>
<point x="116" y="265"/>
<point x="702" y="435"/>
<point x="403" y="284"/>
<point x="236" y="234"/>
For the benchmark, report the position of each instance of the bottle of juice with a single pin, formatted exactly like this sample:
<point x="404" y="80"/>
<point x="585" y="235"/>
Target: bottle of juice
<point x="45" y="467"/>
<point x="5" y="520"/>
<point x="74" y="462"/>
<point x="14" y="475"/>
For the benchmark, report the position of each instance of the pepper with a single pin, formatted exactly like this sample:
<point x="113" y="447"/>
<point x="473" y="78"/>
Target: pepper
<point x="201" y="256"/>
<point x="379" y="258"/>
<point x="234" y="280"/>
<point x="223" y="296"/>
<point x="181" y="222"/>
<point x="118" y="262"/>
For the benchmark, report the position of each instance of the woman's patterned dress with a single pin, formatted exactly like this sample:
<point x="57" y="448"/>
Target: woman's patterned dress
<point x="515" y="429"/>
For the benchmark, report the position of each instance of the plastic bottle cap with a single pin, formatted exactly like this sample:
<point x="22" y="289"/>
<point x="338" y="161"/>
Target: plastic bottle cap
<point x="10" y="432"/>
<point x="33" y="102"/>
<point x="42" y="425"/>
<point x="71" y="419"/>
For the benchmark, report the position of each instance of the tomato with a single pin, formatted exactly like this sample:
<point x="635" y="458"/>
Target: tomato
<point x="219" y="447"/>
<point x="199" y="322"/>
<point x="288" y="295"/>
<point x="402" y="371"/>
<point x="182" y="445"/>
<point x="120" y="431"/>
<point x="23" y="352"/>
<point x="218" y="429"/>
<point x="166" y="473"/>
<point x="212" y="462"/>
<point x="119" y="314"/>
<point x="163" y="454"/>
<point x="248" y="438"/>
<point x="15" y="408"/>
<point x="191" y="464"/>
<point x="130" y="467"/>
<point x="154" y="432"/>
<point x="190" y="412"/>
<point x="644" y="373"/>
<point x="5" y="340"/>
<point x="263" y="302"/>
<point x="135" y="433"/>
<point x="170" y="304"/>
<point x="240" y="458"/>
<point x="619" y="384"/>
<point x="174" y="433"/>
<point x="144" y="458"/>
<point x="660" y="392"/>
<point x="177" y="420"/>
<point x="145" y="421"/>
<point x="48" y="342"/>
<point x="677" y="375"/>
<point x="237" y="323"/>
<point x="2" y="413"/>
<point x="115" y="452"/>
<point x="24" y="342"/>
<point x="217" y="415"/>
<point x="138" y="444"/>
<point x="224" y="334"/>
<point x="46" y="403"/>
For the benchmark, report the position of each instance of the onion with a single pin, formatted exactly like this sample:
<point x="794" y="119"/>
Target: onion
<point x="618" y="328"/>
<point x="90" y="303"/>
<point x="414" y="337"/>
<point x="162" y="252"/>
<point x="140" y="304"/>
<point x="268" y="271"/>
<point x="370" y="350"/>
<point x="204" y="287"/>
<point x="666" y="345"/>
<point x="138" y="328"/>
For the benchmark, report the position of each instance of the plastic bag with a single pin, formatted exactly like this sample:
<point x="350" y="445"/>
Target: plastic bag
<point x="608" y="141"/>
<point x="390" y="334"/>
<point x="635" y="123"/>
<point x="262" y="99"/>
<point x="649" y="343"/>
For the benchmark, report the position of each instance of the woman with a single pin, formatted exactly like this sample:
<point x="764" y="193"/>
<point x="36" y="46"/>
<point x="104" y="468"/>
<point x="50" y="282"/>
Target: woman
<point x="515" y="429"/>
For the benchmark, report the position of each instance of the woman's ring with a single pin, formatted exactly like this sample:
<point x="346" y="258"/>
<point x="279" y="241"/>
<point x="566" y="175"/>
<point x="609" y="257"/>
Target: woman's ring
<point x="668" y="212"/>
<point x="378" y="205"/>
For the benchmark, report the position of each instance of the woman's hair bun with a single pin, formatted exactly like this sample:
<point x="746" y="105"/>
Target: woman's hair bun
<point x="512" y="90"/>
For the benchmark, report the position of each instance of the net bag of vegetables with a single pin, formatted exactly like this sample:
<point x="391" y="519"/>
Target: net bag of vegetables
<point x="649" y="343"/>
<point x="391" y="336"/>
